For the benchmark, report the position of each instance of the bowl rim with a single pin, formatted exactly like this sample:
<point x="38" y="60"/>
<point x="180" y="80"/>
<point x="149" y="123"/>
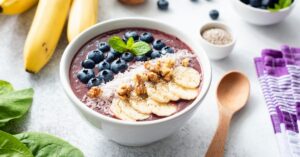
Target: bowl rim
<point x="215" y="24"/>
<point x="264" y="10"/>
<point x="64" y="70"/>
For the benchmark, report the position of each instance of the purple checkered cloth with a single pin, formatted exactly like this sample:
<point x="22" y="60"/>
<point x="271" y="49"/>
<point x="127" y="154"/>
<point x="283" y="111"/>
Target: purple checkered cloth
<point x="279" y="76"/>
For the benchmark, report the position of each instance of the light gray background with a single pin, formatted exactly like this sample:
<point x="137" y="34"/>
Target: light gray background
<point x="251" y="132"/>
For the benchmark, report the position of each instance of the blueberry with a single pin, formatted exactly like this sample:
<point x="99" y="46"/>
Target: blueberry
<point x="84" y="75"/>
<point x="112" y="55"/>
<point x="166" y="50"/>
<point x="214" y="14"/>
<point x="245" y="1"/>
<point x="148" y="54"/>
<point x="255" y="3"/>
<point x="88" y="64"/>
<point x="132" y="34"/>
<point x="155" y="54"/>
<point x="94" y="82"/>
<point x="118" y="65"/>
<point x="103" y="46"/>
<point x="266" y="3"/>
<point x="163" y="4"/>
<point x="272" y="3"/>
<point x="106" y="75"/>
<point x="147" y="37"/>
<point x="103" y="65"/>
<point x="141" y="58"/>
<point x="127" y="56"/>
<point x="96" y="56"/>
<point x="158" y="44"/>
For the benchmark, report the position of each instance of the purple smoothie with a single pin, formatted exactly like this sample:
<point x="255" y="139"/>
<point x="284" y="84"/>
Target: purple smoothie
<point x="81" y="89"/>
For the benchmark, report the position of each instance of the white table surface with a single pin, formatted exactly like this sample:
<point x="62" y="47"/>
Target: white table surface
<point x="251" y="133"/>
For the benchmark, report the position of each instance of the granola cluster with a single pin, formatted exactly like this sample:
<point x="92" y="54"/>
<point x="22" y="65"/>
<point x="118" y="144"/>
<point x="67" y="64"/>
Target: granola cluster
<point x="94" y="92"/>
<point x="161" y="70"/>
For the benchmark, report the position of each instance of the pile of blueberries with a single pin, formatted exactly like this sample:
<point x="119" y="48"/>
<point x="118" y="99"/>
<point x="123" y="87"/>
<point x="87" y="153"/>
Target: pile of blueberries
<point x="108" y="62"/>
<point x="263" y="4"/>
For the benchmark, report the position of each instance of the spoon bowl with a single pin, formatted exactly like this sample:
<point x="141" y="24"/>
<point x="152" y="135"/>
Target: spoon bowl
<point x="232" y="94"/>
<point x="233" y="91"/>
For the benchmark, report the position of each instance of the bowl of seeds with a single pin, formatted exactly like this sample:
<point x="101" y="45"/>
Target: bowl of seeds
<point x="217" y="39"/>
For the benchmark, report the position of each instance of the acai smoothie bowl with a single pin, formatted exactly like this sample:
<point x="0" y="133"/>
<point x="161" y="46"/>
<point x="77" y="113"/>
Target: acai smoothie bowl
<point x="136" y="79"/>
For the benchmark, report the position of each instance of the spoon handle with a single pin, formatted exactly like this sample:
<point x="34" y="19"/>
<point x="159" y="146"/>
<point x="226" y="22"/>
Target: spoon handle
<point x="216" y="148"/>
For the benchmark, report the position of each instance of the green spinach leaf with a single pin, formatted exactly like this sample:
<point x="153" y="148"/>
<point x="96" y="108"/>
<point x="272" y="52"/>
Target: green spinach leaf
<point x="5" y="87"/>
<point x="12" y="147"/>
<point x="14" y="105"/>
<point x="45" y="145"/>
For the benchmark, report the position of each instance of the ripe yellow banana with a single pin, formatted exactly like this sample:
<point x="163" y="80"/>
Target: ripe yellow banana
<point x="11" y="7"/>
<point x="44" y="33"/>
<point x="83" y="14"/>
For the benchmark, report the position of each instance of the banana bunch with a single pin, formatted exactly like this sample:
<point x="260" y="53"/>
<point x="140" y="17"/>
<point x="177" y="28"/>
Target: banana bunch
<point x="184" y="85"/>
<point x="48" y="23"/>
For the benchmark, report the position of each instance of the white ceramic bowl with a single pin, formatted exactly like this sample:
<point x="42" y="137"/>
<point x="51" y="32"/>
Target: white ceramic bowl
<point x="216" y="52"/>
<point x="259" y="16"/>
<point x="133" y="133"/>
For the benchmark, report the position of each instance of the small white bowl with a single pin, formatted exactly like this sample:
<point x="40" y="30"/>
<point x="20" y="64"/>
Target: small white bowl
<point x="216" y="52"/>
<point x="124" y="132"/>
<point x="260" y="16"/>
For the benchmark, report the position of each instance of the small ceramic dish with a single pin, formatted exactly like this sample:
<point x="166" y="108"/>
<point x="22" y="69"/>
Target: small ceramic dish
<point x="214" y="51"/>
<point x="259" y="16"/>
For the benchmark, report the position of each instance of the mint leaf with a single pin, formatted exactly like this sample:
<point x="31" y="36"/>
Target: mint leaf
<point x="14" y="105"/>
<point x="10" y="146"/>
<point x="117" y="44"/>
<point x="277" y="6"/>
<point x="130" y="42"/>
<point x="45" y="145"/>
<point x="286" y="3"/>
<point x="281" y="3"/>
<point x="5" y="87"/>
<point x="140" y="48"/>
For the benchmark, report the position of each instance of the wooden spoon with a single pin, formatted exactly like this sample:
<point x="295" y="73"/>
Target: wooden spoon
<point x="232" y="94"/>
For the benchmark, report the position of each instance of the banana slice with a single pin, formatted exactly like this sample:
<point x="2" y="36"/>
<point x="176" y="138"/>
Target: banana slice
<point x="155" y="94"/>
<point x="162" y="109"/>
<point x="183" y="93"/>
<point x="116" y="110"/>
<point x="140" y="104"/>
<point x="163" y="88"/>
<point x="130" y="112"/>
<point x="186" y="77"/>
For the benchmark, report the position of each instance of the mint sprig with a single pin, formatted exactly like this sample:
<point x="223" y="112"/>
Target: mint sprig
<point x="136" y="48"/>
<point x="130" y="43"/>
<point x="117" y="43"/>
<point x="280" y="5"/>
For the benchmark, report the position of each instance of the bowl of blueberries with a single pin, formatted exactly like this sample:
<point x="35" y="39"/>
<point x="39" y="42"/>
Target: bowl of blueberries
<point x="263" y="12"/>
